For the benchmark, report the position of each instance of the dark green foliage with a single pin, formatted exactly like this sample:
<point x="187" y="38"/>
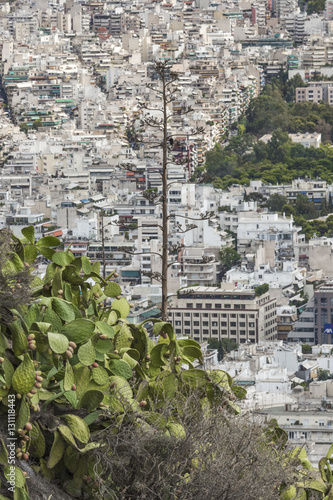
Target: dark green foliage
<point x="229" y="257"/>
<point x="276" y="202"/>
<point x="261" y="289"/>
<point x="324" y="375"/>
<point x="306" y="349"/>
<point x="315" y="6"/>
<point x="223" y="346"/>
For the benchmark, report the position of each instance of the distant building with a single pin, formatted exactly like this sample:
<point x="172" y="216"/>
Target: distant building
<point x="323" y="302"/>
<point x="226" y="312"/>
<point x="303" y="331"/>
<point x="315" y="92"/>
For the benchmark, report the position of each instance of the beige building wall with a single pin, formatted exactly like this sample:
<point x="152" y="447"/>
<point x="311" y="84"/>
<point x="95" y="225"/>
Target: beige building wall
<point x="227" y="312"/>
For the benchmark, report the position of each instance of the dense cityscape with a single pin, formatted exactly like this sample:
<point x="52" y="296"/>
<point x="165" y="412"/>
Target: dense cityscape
<point x="180" y="153"/>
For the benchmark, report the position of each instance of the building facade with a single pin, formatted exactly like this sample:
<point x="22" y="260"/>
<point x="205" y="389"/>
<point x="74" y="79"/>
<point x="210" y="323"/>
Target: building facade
<point x="323" y="303"/>
<point x="226" y="312"/>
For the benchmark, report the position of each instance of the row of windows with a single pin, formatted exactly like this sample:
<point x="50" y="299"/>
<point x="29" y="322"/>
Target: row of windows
<point x="190" y="305"/>
<point x="198" y="296"/>
<point x="212" y="333"/>
<point x="214" y="315"/>
<point x="215" y="323"/>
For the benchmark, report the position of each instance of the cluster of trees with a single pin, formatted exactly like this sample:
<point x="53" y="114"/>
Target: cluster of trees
<point x="303" y="210"/>
<point x="278" y="160"/>
<point x="223" y="346"/>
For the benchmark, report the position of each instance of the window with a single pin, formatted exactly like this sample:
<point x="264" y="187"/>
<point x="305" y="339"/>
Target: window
<point x="233" y="315"/>
<point x="196" y="315"/>
<point x="198" y="306"/>
<point x="233" y="323"/>
<point x="188" y="323"/>
<point x="241" y="323"/>
<point x="205" y="323"/>
<point x="178" y="314"/>
<point x="323" y="315"/>
<point x="187" y="330"/>
<point x="217" y="306"/>
<point x="205" y="315"/>
<point x="251" y="325"/>
<point x="196" y="331"/>
<point x="187" y="314"/>
<point x="189" y="305"/>
<point x="178" y="323"/>
<point x="196" y="323"/>
<point x="215" y="332"/>
<point x="223" y="323"/>
<point x="208" y="306"/>
<point x="214" y="323"/>
<point x="227" y="306"/>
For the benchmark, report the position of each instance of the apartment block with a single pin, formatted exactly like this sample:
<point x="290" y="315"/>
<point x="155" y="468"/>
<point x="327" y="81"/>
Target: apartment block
<point x="323" y="303"/>
<point x="315" y="92"/>
<point x="226" y="312"/>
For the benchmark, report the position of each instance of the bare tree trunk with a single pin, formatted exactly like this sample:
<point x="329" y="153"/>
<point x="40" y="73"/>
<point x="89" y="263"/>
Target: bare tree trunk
<point x="103" y="249"/>
<point x="164" y="204"/>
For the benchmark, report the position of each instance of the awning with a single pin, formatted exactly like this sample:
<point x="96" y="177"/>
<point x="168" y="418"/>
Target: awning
<point x="152" y="313"/>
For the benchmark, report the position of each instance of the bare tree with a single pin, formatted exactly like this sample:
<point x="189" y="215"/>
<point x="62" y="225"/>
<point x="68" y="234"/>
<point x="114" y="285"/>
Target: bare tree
<point x="216" y="457"/>
<point x="167" y="91"/>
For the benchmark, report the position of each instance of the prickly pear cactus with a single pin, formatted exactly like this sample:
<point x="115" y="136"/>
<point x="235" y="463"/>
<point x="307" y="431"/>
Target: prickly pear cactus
<point x="75" y="365"/>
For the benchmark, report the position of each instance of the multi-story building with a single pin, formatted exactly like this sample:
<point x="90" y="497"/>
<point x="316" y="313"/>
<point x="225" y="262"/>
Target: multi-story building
<point x="315" y="92"/>
<point x="226" y="312"/>
<point x="303" y="330"/>
<point x="323" y="304"/>
<point x="286" y="317"/>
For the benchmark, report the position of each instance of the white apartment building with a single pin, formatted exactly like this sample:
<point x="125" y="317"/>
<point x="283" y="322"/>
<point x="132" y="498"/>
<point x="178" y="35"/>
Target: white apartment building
<point x="253" y="226"/>
<point x="226" y="312"/>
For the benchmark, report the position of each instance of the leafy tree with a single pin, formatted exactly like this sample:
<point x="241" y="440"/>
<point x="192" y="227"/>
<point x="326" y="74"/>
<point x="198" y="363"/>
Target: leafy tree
<point x="324" y="375"/>
<point x="261" y="289"/>
<point x="315" y="6"/>
<point x="276" y="202"/>
<point x="229" y="257"/>
<point x="305" y="207"/>
<point x="24" y="128"/>
<point x="306" y="349"/>
<point x="37" y="123"/>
